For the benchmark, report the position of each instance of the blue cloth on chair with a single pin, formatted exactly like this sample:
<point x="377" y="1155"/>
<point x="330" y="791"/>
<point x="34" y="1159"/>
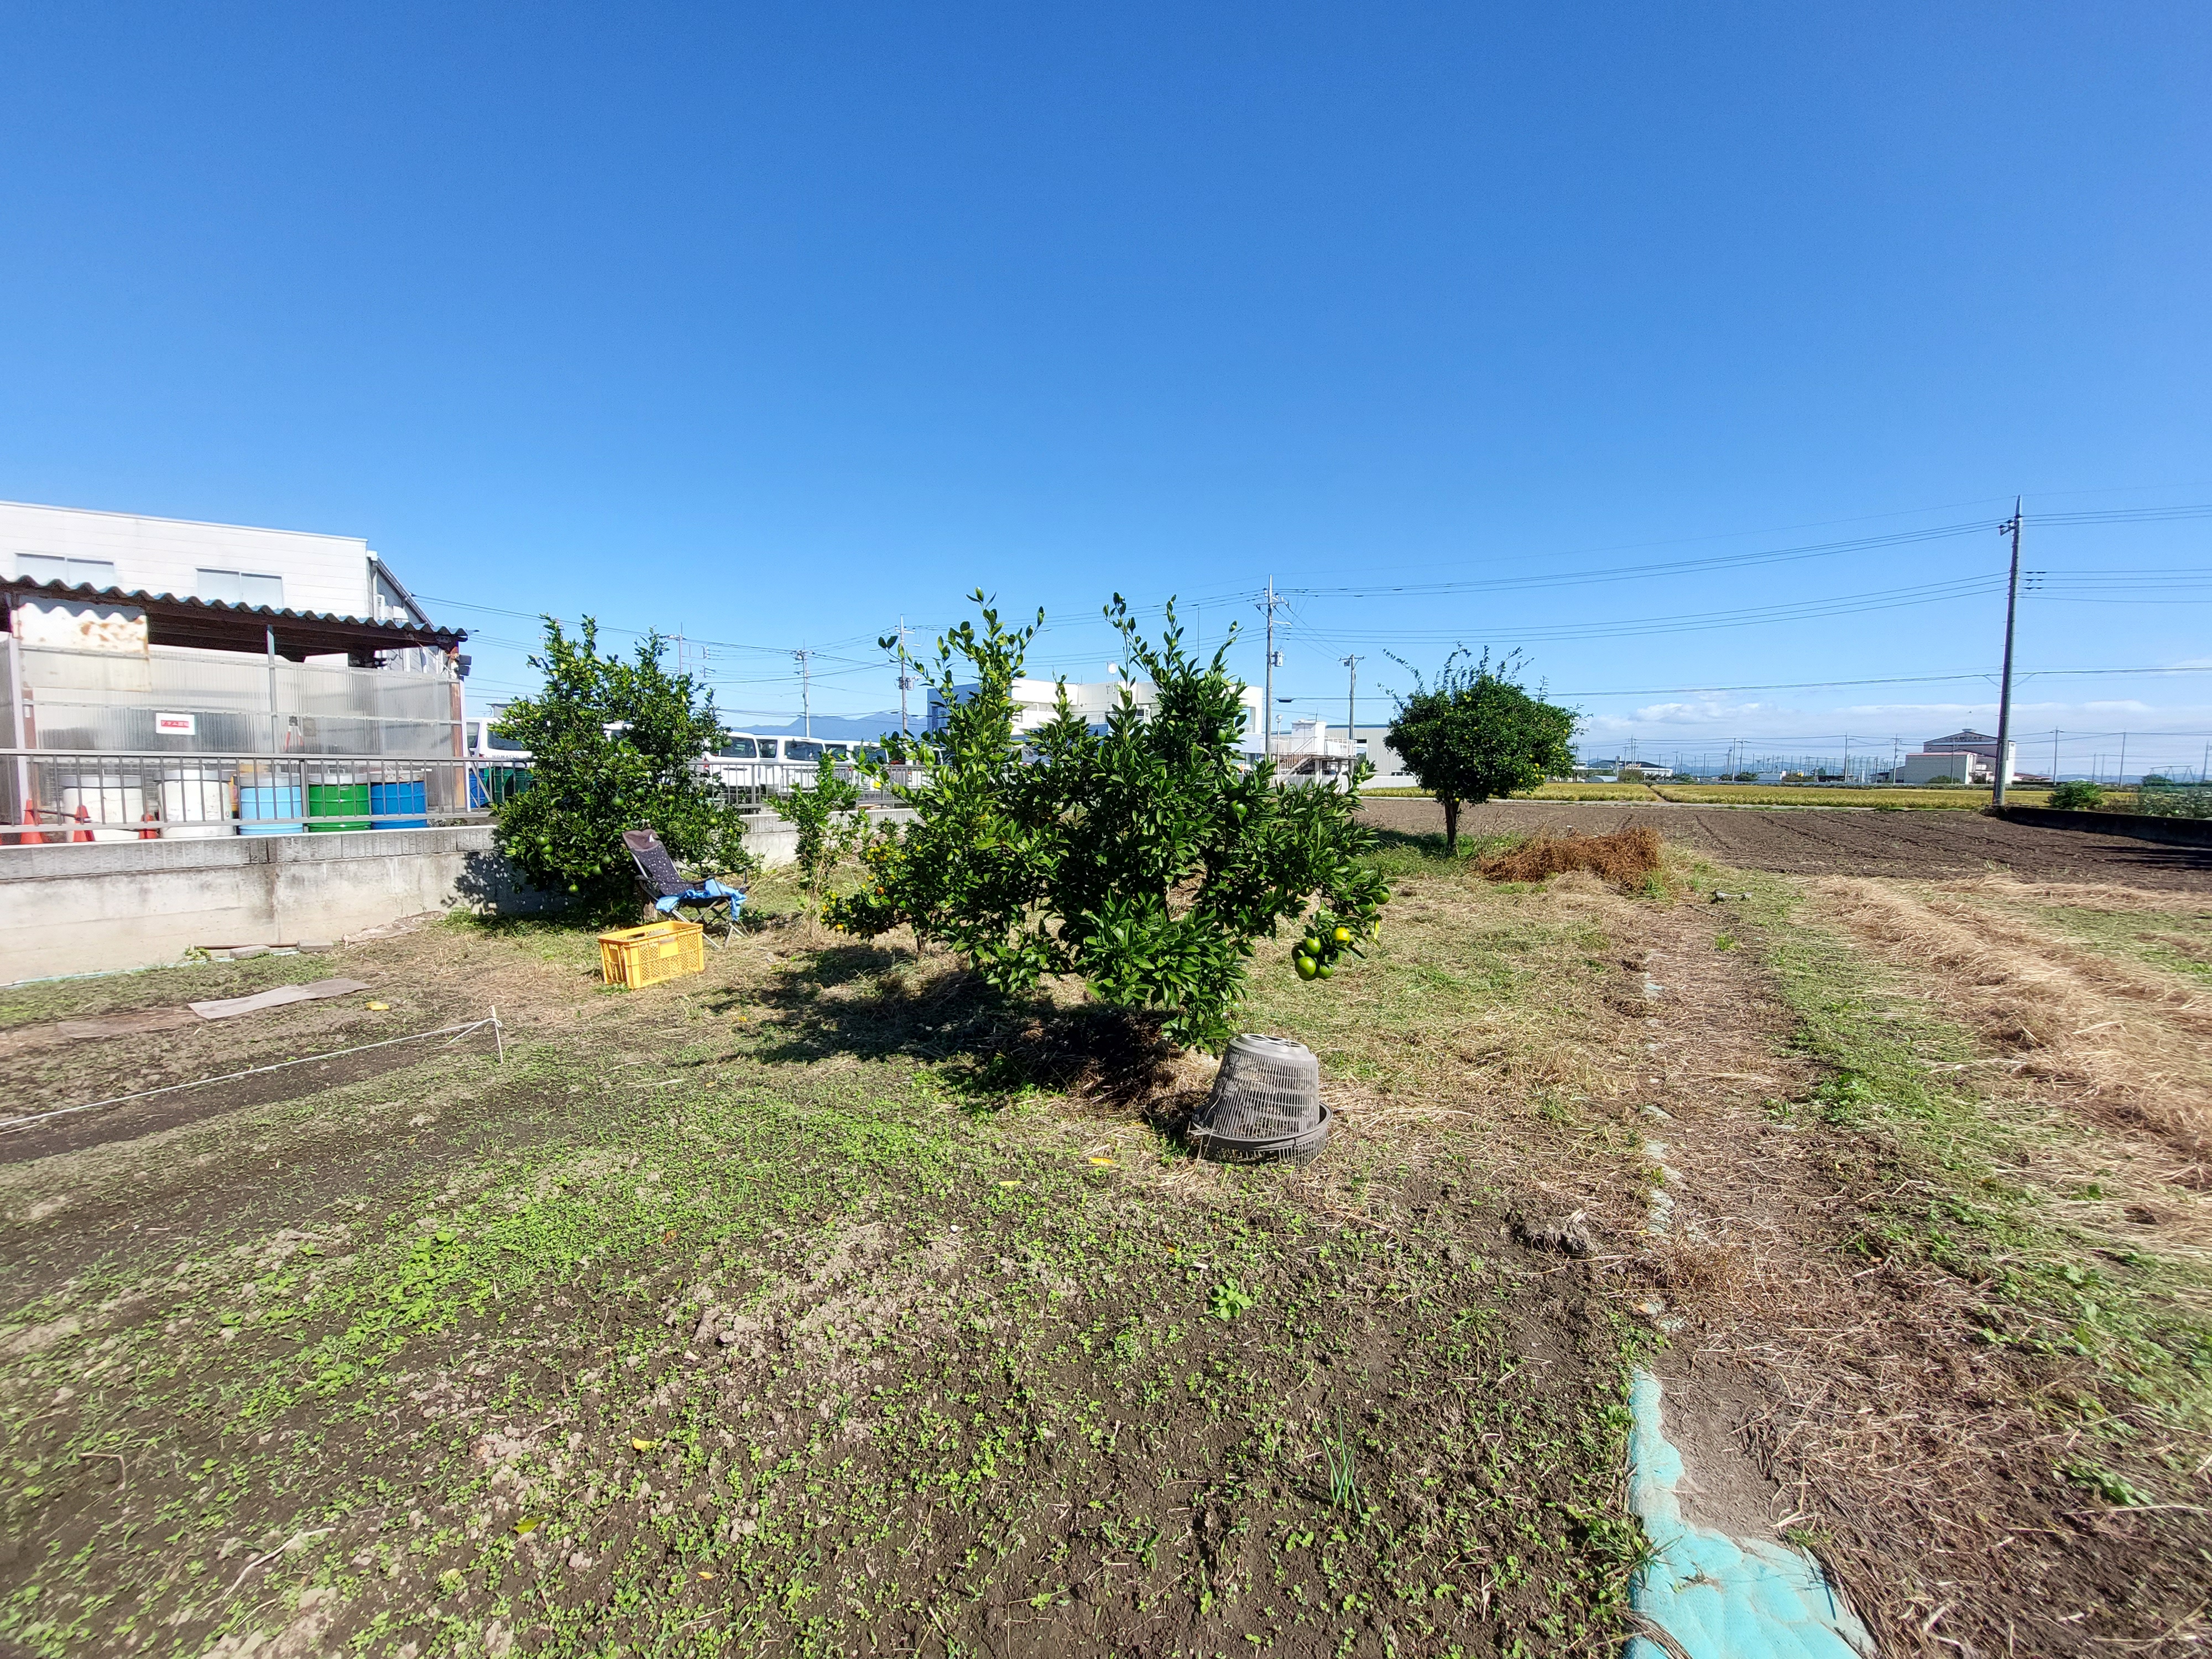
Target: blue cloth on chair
<point x="711" y="892"/>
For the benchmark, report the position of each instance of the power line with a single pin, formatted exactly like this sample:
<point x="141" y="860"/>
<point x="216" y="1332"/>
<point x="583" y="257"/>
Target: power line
<point x="1700" y="621"/>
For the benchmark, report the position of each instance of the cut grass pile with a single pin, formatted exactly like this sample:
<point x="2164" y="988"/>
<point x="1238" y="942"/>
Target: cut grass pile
<point x="1624" y="858"/>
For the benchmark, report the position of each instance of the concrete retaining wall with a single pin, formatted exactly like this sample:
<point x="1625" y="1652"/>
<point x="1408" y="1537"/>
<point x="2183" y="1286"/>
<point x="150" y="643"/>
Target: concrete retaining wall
<point x="2144" y="826"/>
<point x="87" y="905"/>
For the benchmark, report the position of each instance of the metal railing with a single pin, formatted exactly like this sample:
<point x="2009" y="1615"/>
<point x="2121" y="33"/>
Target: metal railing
<point x="51" y="795"/>
<point x="757" y="783"/>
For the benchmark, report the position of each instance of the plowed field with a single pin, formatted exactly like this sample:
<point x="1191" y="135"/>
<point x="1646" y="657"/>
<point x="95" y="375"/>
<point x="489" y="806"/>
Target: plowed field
<point x="1839" y="842"/>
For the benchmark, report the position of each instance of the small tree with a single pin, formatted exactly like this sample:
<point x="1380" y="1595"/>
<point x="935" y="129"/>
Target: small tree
<point x="1475" y="733"/>
<point x="614" y="746"/>
<point x="2077" y="796"/>
<point x="829" y="824"/>
<point x="1145" y="858"/>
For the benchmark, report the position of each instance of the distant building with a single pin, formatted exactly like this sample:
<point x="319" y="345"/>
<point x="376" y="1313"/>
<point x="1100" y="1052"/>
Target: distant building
<point x="1368" y="743"/>
<point x="1965" y="742"/>
<point x="1036" y="702"/>
<point x="1964" y="757"/>
<point x="1307" y="751"/>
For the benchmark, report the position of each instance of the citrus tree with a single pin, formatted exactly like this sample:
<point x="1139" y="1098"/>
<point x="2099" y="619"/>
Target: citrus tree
<point x="1145" y="857"/>
<point x="614" y="745"/>
<point x="827" y="822"/>
<point x="1475" y="733"/>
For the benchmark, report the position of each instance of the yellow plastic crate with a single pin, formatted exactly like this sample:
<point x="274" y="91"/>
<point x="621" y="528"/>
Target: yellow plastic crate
<point x="638" y="956"/>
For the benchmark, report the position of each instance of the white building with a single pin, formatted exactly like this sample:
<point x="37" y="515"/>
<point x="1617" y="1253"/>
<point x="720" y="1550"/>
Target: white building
<point x="230" y="564"/>
<point x="1964" y="757"/>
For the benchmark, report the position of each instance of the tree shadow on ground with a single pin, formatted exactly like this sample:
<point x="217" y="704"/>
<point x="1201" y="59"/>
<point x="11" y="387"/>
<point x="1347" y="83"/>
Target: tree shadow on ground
<point x="492" y="887"/>
<point x="1430" y="844"/>
<point x="870" y="1002"/>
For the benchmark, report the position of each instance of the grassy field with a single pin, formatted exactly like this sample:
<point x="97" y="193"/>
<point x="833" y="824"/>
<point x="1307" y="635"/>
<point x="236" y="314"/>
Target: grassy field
<point x="820" y="1305"/>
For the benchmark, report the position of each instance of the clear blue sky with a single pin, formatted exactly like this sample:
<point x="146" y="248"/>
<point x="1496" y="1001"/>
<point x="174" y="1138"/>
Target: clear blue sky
<point x="775" y="323"/>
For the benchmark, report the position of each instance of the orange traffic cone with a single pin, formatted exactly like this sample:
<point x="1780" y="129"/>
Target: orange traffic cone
<point x="83" y="815"/>
<point x="33" y="837"/>
<point x="154" y="819"/>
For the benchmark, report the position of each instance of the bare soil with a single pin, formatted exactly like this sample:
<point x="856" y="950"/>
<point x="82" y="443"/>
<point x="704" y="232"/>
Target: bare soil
<point x="711" y="1322"/>
<point x="818" y="1305"/>
<point x="1840" y="841"/>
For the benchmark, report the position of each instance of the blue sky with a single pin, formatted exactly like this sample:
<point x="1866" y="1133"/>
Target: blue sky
<point x="777" y="323"/>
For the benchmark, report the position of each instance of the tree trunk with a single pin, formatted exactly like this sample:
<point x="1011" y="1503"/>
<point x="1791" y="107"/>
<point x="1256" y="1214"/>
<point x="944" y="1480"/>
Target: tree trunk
<point x="1451" y="827"/>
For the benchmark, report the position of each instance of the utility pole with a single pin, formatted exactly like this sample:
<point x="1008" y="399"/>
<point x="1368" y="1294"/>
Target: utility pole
<point x="2054" y="754"/>
<point x="2004" y="693"/>
<point x="805" y="689"/>
<point x="2120" y="777"/>
<point x="1352" y="712"/>
<point x="906" y="680"/>
<point x="1274" y="661"/>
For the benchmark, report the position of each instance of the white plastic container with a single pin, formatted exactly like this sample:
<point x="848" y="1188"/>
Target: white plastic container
<point x="110" y="802"/>
<point x="195" y="806"/>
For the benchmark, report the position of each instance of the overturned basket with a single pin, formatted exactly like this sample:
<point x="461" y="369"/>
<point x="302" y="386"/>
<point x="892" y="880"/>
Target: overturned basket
<point x="1265" y="1105"/>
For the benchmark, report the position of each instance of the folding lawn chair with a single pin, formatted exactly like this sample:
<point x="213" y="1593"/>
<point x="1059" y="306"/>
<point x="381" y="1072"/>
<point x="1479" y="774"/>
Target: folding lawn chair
<point x="673" y="892"/>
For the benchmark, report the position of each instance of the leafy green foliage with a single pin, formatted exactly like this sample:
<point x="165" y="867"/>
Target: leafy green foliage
<point x="614" y="745"/>
<point x="829" y="824"/>
<point x="1343" y="1473"/>
<point x="2077" y="796"/>
<point x="1475" y="733"/>
<point x="1145" y="858"/>
<point x="1229" y="1298"/>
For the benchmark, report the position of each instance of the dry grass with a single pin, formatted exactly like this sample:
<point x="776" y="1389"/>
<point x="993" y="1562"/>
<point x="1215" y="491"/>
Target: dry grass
<point x="1588" y="792"/>
<point x="1624" y="858"/>
<point x="2120" y="1043"/>
<point x="1909" y="1450"/>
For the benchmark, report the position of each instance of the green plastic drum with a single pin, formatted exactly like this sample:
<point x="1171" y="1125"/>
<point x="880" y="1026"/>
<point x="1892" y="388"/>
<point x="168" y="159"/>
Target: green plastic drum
<point x="337" y="802"/>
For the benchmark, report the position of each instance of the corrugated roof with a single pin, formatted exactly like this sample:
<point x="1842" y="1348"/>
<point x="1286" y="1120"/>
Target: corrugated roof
<point x="212" y="624"/>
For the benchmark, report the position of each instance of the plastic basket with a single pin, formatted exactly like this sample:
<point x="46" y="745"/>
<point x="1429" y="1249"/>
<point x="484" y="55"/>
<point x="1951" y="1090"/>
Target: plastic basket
<point x="1265" y="1105"/>
<point x="638" y="956"/>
